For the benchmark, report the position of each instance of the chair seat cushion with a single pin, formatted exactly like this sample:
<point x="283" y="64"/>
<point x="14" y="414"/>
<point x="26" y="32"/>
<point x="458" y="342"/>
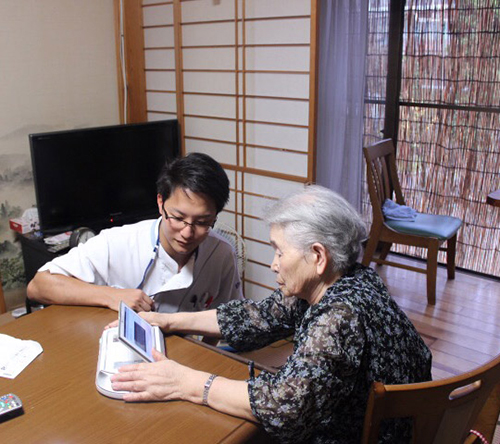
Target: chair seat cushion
<point x="428" y="225"/>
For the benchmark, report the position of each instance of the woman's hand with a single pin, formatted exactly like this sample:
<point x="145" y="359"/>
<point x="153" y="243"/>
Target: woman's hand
<point x="159" y="319"/>
<point x="197" y="323"/>
<point x="166" y="380"/>
<point x="162" y="380"/>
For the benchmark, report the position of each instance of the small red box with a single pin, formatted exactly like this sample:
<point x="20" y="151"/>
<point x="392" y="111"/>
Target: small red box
<point x="20" y="225"/>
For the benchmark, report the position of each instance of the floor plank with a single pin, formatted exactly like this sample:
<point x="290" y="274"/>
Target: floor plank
<point x="463" y="328"/>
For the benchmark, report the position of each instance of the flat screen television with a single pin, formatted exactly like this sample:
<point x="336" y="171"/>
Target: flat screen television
<point x="100" y="177"/>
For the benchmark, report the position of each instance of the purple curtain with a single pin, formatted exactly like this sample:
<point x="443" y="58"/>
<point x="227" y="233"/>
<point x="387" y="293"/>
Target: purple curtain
<point x="341" y="84"/>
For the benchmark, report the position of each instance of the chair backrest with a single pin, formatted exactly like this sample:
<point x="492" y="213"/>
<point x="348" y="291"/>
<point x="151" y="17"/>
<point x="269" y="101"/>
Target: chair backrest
<point x="382" y="175"/>
<point x="442" y="411"/>
<point x="237" y="242"/>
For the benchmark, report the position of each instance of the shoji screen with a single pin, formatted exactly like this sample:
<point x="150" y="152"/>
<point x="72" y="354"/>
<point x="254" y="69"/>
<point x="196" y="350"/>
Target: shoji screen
<point x="240" y="75"/>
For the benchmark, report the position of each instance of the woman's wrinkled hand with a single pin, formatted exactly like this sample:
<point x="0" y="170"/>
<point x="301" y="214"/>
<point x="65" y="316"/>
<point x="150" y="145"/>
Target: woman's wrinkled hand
<point x="154" y="318"/>
<point x="156" y="381"/>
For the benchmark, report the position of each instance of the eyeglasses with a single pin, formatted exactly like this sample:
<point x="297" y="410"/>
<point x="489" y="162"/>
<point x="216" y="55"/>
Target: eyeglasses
<point x="198" y="226"/>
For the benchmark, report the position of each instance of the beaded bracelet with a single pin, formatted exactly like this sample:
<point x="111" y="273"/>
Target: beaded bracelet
<point x="480" y="436"/>
<point x="208" y="384"/>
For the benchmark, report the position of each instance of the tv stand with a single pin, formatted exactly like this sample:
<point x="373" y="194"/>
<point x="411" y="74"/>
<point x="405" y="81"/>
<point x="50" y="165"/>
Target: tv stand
<point x="35" y="254"/>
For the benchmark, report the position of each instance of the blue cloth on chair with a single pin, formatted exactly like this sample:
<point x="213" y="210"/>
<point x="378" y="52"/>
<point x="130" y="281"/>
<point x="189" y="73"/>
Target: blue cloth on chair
<point x="429" y="225"/>
<point x="394" y="211"/>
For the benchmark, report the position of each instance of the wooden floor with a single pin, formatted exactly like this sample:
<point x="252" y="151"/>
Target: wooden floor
<point x="463" y="328"/>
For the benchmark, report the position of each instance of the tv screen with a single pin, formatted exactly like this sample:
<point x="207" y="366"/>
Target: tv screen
<point x="100" y="177"/>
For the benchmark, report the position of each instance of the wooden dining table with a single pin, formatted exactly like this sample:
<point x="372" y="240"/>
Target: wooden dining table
<point x="62" y="404"/>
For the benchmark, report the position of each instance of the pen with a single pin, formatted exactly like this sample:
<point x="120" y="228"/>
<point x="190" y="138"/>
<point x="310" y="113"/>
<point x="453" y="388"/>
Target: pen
<point x="209" y="301"/>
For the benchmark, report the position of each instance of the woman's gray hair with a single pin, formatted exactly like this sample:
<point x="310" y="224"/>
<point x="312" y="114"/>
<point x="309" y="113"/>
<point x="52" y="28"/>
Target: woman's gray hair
<point x="317" y="214"/>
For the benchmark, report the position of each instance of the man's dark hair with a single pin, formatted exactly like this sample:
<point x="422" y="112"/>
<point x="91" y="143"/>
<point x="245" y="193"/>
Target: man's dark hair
<point x="198" y="173"/>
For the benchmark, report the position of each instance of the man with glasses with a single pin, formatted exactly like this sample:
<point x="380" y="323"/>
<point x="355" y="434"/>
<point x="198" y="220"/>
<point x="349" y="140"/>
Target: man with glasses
<point x="174" y="263"/>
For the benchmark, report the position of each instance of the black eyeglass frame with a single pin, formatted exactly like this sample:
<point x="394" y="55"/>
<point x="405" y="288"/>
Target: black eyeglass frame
<point x="195" y="225"/>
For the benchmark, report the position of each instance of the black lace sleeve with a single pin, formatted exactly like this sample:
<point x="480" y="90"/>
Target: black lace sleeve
<point x="249" y="325"/>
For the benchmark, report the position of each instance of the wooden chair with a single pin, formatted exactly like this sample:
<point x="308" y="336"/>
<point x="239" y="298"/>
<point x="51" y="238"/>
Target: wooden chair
<point x="3" y="306"/>
<point x="487" y="420"/>
<point x="427" y="231"/>
<point x="442" y="412"/>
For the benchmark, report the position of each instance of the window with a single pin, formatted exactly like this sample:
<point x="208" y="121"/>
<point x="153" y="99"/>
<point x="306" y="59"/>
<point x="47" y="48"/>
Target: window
<point x="447" y="114"/>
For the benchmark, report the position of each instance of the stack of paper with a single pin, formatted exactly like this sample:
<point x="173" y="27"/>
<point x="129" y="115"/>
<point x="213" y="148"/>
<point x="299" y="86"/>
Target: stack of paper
<point x="16" y="354"/>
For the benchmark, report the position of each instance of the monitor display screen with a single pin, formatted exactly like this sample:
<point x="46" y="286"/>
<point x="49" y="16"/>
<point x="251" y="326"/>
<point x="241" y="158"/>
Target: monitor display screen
<point x="100" y="177"/>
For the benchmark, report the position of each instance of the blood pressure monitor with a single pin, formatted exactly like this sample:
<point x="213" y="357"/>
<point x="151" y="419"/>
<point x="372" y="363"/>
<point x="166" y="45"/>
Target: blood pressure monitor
<point x="139" y="334"/>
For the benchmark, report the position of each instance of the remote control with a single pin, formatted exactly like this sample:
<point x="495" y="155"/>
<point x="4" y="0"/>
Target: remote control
<point x="10" y="406"/>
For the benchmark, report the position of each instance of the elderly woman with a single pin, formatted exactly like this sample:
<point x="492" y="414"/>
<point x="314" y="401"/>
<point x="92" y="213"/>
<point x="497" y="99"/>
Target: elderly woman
<point x="347" y="330"/>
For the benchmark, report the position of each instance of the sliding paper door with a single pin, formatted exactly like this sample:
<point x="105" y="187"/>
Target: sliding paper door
<point x="240" y="75"/>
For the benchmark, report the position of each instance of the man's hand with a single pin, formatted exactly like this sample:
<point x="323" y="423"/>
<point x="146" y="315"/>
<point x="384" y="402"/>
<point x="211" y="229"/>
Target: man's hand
<point x="135" y="299"/>
<point x="48" y="288"/>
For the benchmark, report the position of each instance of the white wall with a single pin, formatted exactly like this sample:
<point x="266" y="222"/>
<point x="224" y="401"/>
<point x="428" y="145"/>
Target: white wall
<point x="57" y="71"/>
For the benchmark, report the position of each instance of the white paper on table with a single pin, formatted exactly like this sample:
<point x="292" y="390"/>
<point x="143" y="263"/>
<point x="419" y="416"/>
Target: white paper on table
<point x="16" y="354"/>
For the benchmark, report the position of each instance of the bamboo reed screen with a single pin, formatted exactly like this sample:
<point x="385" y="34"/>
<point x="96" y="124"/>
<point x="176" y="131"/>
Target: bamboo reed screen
<point x="375" y="81"/>
<point x="240" y="77"/>
<point x="449" y="126"/>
